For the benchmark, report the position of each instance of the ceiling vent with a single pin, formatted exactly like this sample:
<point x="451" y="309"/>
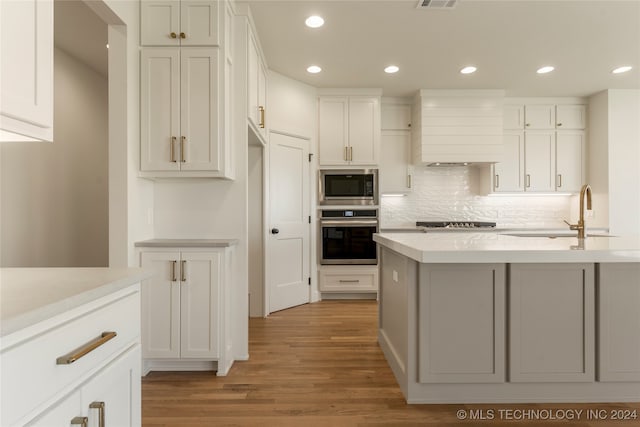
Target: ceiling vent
<point x="437" y="4"/>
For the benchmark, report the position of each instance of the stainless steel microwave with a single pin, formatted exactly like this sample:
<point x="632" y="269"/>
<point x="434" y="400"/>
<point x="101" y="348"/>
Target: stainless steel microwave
<point x="348" y="187"/>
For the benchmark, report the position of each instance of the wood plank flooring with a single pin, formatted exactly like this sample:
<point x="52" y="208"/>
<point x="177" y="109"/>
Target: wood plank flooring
<point x="315" y="365"/>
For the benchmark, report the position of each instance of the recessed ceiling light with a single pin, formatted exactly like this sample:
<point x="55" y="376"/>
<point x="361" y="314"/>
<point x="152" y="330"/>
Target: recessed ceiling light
<point x="468" y="69"/>
<point x="546" y="69"/>
<point x="314" y="21"/>
<point x="314" y="69"/>
<point x="391" y="69"/>
<point x="621" y="69"/>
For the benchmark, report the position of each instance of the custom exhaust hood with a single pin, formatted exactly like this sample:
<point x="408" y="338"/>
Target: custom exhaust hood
<point x="458" y="127"/>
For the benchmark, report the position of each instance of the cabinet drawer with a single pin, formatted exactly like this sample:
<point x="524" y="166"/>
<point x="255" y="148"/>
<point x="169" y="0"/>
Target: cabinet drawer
<point x="32" y="378"/>
<point x="349" y="281"/>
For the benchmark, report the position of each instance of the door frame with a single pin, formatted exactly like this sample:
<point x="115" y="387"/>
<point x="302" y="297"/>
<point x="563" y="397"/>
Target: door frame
<point x="267" y="219"/>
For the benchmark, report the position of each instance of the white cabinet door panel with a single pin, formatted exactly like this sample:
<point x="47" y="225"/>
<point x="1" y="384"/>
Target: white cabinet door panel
<point x="540" y="161"/>
<point x="571" y="116"/>
<point x="509" y="175"/>
<point x="513" y="117"/>
<point x="60" y="414"/>
<point x="364" y="130"/>
<point x="199" y="298"/>
<point x="570" y="158"/>
<point x="540" y="117"/>
<point x="396" y="117"/>
<point x="333" y="130"/>
<point x="396" y="154"/>
<point x="161" y="305"/>
<point x="158" y="20"/>
<point x="199" y="93"/>
<point x="199" y="23"/>
<point x="552" y="323"/>
<point x="160" y="109"/>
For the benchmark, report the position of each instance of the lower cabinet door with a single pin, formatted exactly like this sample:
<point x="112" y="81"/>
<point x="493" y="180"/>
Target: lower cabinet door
<point x="60" y="414"/>
<point x="551" y="323"/>
<point x="112" y="397"/>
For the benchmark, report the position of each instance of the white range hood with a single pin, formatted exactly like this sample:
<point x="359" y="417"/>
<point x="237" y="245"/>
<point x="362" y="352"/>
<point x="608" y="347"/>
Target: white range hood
<point x="458" y="127"/>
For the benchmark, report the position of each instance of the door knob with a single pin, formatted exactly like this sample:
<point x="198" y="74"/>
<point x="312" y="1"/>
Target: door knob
<point x="274" y="231"/>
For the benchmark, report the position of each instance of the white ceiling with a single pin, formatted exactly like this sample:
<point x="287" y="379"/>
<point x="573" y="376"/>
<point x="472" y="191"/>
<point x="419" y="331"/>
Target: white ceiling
<point x="81" y="33"/>
<point x="507" y="40"/>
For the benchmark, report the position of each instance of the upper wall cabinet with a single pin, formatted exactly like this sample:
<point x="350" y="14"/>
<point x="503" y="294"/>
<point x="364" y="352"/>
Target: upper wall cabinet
<point x="26" y="70"/>
<point x="256" y="86"/>
<point x="179" y="23"/>
<point x="349" y="130"/>
<point x="396" y="116"/>
<point x="544" y="116"/>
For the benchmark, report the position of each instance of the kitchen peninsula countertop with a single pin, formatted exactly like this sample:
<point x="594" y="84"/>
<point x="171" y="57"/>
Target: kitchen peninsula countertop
<point x="32" y="295"/>
<point x="487" y="247"/>
<point x="186" y="243"/>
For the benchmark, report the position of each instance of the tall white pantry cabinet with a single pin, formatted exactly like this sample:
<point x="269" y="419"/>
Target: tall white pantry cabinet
<point x="185" y="87"/>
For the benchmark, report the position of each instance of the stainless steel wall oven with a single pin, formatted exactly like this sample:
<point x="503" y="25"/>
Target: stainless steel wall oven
<point x="346" y="236"/>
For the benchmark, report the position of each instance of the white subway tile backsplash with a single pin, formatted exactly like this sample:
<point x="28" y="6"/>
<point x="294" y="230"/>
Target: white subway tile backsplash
<point x="452" y="194"/>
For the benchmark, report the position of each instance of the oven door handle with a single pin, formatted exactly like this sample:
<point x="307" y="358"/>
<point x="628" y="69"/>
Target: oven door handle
<point x="348" y="223"/>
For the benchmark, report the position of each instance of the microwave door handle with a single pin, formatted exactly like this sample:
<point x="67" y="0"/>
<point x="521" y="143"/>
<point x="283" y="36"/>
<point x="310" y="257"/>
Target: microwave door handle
<point x="348" y="223"/>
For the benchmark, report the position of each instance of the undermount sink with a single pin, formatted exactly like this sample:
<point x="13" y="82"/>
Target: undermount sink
<point x="553" y="235"/>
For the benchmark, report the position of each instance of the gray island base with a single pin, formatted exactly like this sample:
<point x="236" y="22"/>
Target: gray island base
<point x="459" y="331"/>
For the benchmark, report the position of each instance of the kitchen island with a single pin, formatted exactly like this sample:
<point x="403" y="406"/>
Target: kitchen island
<point x="487" y="317"/>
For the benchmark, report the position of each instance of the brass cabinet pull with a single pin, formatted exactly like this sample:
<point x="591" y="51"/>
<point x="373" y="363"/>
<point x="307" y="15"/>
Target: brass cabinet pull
<point x="183" y="140"/>
<point x="80" y="421"/>
<point x="183" y="36"/>
<point x="349" y="281"/>
<point x="183" y="273"/>
<point x="100" y="407"/>
<point x="85" y="349"/>
<point x="497" y="181"/>
<point x="528" y="124"/>
<point x="173" y="154"/>
<point x="261" y="109"/>
<point x="351" y="154"/>
<point x="559" y="124"/>
<point x="408" y="181"/>
<point x="528" y="180"/>
<point x="173" y="35"/>
<point x="346" y="154"/>
<point x="173" y="271"/>
<point x="559" y="180"/>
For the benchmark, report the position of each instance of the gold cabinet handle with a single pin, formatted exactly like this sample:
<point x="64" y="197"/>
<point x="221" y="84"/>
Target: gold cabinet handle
<point x="100" y="407"/>
<point x="349" y="281"/>
<point x="173" y="271"/>
<point x="261" y="109"/>
<point x="351" y="154"/>
<point x="528" y="180"/>
<point x="80" y="421"/>
<point x="408" y="181"/>
<point x="559" y="180"/>
<point x="183" y="271"/>
<point x="528" y="124"/>
<point x="346" y="154"/>
<point x="173" y="35"/>
<point x="183" y="141"/>
<point x="559" y="124"/>
<point x="173" y="154"/>
<point x="497" y="181"/>
<point x="183" y="36"/>
<point x="85" y="349"/>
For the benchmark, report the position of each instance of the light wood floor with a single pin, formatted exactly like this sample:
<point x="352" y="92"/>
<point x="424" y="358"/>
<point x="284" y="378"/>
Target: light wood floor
<point x="313" y="365"/>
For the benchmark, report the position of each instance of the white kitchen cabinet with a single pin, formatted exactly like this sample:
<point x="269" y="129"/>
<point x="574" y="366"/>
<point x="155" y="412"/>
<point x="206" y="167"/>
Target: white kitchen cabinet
<point x="513" y="117"/>
<point x="256" y="86"/>
<point x="26" y="70"/>
<point x="570" y="160"/>
<point x="394" y="173"/>
<point x="179" y="23"/>
<point x="183" y="307"/>
<point x="181" y="131"/>
<point x="551" y="318"/>
<point x="539" y="158"/>
<point x="349" y="130"/>
<point x="571" y="116"/>
<point x="461" y="318"/>
<point x="618" y="322"/>
<point x="508" y="175"/>
<point x="540" y="116"/>
<point x="348" y="278"/>
<point x="53" y="370"/>
<point x="395" y="116"/>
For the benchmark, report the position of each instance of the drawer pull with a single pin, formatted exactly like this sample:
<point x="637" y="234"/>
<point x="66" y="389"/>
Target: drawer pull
<point x="80" y="421"/>
<point x="100" y="407"/>
<point x="85" y="349"/>
<point x="349" y="281"/>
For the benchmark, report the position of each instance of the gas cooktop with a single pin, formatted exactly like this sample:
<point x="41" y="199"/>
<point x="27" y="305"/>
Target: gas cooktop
<point x="456" y="224"/>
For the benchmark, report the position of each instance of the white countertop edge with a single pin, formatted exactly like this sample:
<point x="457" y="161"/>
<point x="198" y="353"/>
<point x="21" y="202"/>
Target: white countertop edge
<point x="47" y="311"/>
<point x="186" y="243"/>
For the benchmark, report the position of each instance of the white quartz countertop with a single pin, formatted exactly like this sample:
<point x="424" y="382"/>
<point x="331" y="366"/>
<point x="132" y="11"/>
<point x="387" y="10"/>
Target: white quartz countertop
<point x="186" y="243"/>
<point x="32" y="295"/>
<point x="480" y="247"/>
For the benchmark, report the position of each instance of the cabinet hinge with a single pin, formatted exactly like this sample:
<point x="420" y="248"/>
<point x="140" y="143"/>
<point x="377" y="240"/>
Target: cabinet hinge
<point x="309" y="281"/>
<point x="310" y="156"/>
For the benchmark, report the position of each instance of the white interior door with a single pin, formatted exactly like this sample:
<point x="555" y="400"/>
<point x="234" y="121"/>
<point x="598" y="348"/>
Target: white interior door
<point x="288" y="243"/>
